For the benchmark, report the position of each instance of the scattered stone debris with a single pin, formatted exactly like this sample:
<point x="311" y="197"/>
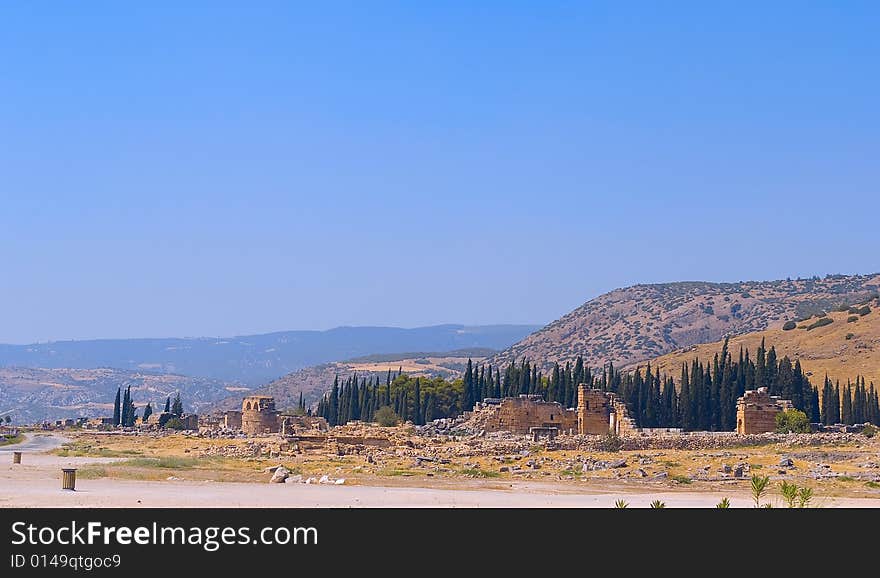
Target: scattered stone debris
<point x="280" y="475"/>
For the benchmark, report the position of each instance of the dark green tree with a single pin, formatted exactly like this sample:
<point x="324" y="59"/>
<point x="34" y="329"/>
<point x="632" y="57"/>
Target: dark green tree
<point x="117" y="408"/>
<point x="177" y="406"/>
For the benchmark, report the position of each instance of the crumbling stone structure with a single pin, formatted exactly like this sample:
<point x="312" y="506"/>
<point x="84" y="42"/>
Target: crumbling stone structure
<point x="600" y="412"/>
<point x="232" y="419"/>
<point x="520" y="414"/>
<point x="259" y="416"/>
<point x="756" y="411"/>
<point x="295" y="424"/>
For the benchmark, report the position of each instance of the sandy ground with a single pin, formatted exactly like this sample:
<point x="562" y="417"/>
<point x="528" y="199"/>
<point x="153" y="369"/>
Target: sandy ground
<point x="37" y="483"/>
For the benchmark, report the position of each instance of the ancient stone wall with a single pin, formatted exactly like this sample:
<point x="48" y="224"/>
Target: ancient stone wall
<point x="232" y="419"/>
<point x="600" y="412"/>
<point x="595" y="411"/>
<point x="756" y="411"/>
<point x="520" y="414"/>
<point x="259" y="416"/>
<point x="294" y="424"/>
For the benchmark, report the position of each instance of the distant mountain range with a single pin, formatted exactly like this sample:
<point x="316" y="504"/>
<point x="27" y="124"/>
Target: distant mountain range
<point x="254" y="360"/>
<point x="642" y="322"/>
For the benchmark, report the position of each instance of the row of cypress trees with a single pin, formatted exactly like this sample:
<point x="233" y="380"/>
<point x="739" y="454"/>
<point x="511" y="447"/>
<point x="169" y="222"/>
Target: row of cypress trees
<point x="125" y="411"/>
<point x="703" y="399"/>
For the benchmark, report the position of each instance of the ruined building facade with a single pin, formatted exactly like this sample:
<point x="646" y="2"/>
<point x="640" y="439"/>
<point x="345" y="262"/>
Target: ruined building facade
<point x="520" y="414"/>
<point x="756" y="411"/>
<point x="259" y="416"/>
<point x="600" y="412"/>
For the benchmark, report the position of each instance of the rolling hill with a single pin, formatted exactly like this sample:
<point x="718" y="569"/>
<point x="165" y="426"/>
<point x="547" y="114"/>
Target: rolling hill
<point x="642" y="322"/>
<point x="314" y="381"/>
<point x="255" y="359"/>
<point x="843" y="349"/>
<point x="30" y="395"/>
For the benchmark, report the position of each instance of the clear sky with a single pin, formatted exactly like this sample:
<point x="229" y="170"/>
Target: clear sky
<point x="218" y="168"/>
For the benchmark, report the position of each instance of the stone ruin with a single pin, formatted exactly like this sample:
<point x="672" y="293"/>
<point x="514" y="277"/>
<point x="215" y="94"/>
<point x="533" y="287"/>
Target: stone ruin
<point x="297" y="424"/>
<point x="756" y="411"/>
<point x="521" y="414"/>
<point x="600" y="412"/>
<point x="259" y="416"/>
<point x="232" y="419"/>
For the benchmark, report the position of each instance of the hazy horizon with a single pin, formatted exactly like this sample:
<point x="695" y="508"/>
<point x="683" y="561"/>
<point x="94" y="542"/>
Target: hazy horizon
<point x="271" y="332"/>
<point x="214" y="168"/>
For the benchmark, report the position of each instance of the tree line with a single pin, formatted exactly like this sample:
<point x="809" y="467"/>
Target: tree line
<point x="703" y="398"/>
<point x="125" y="411"/>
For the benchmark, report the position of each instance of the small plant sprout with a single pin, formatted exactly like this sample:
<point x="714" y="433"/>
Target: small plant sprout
<point x="759" y="487"/>
<point x="804" y="497"/>
<point x="789" y="494"/>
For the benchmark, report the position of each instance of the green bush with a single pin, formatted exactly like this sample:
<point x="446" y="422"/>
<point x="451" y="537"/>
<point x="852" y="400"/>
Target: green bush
<point x="792" y="421"/>
<point x="822" y="322"/>
<point x="789" y="325"/>
<point x="174" y="423"/>
<point x="850" y="336"/>
<point x="870" y="431"/>
<point x="864" y="310"/>
<point x="385" y="416"/>
<point x="853" y="309"/>
<point x="852" y="318"/>
<point x="841" y="308"/>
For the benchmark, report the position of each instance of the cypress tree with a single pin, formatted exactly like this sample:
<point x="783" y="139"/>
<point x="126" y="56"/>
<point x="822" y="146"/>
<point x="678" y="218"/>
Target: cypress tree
<point x="167" y="404"/>
<point x="126" y="402"/>
<point x="148" y="411"/>
<point x="417" y="403"/>
<point x="846" y="414"/>
<point x="177" y="405"/>
<point x="814" y="405"/>
<point x="117" y="411"/>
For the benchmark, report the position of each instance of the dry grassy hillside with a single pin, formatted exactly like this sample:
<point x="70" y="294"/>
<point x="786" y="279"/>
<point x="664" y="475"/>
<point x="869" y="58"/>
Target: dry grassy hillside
<point x="642" y="322"/>
<point x="842" y="349"/>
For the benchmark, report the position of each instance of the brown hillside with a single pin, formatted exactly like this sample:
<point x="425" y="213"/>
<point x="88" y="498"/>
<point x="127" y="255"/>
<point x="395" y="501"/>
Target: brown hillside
<point x="642" y="322"/>
<point x="821" y="350"/>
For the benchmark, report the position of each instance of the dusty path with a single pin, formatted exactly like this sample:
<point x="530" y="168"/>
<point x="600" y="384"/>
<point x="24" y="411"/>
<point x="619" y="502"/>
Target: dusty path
<point x="35" y="443"/>
<point x="36" y="483"/>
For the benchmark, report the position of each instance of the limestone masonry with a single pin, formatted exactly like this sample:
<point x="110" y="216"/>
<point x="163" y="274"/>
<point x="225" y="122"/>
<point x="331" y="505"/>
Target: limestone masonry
<point x="756" y="411"/>
<point x="259" y="416"/>
<point x="520" y="414"/>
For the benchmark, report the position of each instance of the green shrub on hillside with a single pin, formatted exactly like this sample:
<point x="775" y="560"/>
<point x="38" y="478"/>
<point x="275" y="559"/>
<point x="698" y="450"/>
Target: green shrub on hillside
<point x="852" y="318"/>
<point x="822" y="322"/>
<point x="789" y="325"/>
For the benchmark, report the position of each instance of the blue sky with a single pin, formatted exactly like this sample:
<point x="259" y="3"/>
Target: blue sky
<point x="217" y="168"/>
